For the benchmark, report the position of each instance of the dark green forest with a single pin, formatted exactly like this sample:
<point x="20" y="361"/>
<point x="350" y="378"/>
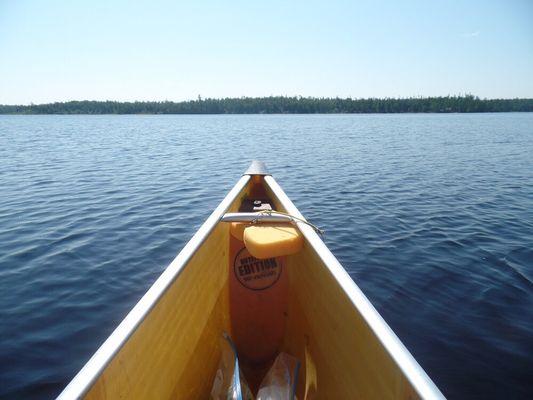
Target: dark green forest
<point x="280" y="105"/>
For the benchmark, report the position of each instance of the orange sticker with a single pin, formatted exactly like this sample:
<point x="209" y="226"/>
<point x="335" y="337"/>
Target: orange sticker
<point x="256" y="274"/>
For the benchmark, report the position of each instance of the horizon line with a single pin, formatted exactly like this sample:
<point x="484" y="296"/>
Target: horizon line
<point x="200" y="98"/>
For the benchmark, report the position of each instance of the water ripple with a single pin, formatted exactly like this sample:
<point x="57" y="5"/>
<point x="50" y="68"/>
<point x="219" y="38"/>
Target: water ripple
<point x="431" y="215"/>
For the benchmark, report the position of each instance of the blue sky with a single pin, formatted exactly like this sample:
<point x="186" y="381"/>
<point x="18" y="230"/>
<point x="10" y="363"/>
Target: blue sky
<point x="159" y="50"/>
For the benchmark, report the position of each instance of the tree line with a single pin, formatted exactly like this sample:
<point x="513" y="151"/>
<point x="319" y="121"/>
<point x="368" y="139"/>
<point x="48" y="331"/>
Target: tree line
<point x="280" y="105"/>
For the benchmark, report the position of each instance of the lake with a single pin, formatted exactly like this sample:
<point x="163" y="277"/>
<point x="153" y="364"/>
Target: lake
<point x="431" y="215"/>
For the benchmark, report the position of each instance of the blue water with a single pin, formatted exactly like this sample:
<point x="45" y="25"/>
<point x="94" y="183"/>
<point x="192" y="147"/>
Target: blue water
<point x="432" y="216"/>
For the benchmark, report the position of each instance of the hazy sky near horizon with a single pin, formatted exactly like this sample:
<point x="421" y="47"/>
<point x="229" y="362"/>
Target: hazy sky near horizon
<point x="169" y="50"/>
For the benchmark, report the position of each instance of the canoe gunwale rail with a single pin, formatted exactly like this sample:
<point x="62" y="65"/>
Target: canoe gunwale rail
<point x="414" y="373"/>
<point x="84" y="379"/>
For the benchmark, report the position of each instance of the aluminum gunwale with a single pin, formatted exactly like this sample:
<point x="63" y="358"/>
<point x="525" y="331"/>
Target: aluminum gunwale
<point x="83" y="381"/>
<point x="414" y="373"/>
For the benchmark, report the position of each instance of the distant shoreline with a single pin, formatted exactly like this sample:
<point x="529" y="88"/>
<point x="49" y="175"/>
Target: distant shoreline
<point x="280" y="105"/>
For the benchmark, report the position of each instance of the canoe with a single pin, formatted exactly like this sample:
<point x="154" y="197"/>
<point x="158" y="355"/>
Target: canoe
<point x="168" y="346"/>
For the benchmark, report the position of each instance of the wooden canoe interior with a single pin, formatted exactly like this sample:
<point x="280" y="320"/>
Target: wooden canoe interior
<point x="175" y="352"/>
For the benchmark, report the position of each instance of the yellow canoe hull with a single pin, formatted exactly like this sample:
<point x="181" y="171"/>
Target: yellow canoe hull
<point x="168" y="347"/>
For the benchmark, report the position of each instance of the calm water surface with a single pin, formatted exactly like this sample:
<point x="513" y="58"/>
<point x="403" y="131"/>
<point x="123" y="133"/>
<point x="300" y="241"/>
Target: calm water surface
<point x="432" y="216"/>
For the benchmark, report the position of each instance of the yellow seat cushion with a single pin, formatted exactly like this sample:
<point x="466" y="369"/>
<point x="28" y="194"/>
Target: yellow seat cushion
<point x="272" y="240"/>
